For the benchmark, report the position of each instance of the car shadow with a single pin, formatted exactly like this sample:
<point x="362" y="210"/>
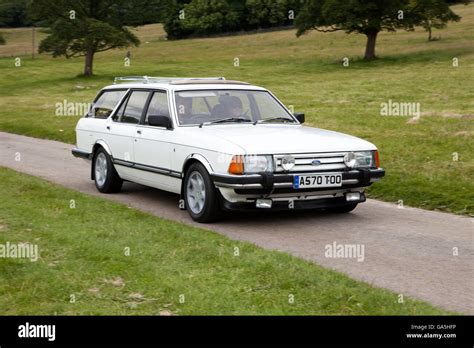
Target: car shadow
<point x="161" y="202"/>
<point x="277" y="217"/>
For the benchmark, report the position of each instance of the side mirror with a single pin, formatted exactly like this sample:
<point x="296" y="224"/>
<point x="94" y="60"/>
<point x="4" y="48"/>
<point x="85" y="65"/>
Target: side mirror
<point x="299" y="116"/>
<point x="159" y="121"/>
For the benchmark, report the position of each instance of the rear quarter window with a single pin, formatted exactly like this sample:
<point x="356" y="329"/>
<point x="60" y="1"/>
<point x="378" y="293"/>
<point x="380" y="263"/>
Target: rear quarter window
<point x="106" y="103"/>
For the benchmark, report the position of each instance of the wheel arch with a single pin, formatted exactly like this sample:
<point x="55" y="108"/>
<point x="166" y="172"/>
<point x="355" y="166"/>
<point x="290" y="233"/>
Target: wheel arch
<point x="191" y="159"/>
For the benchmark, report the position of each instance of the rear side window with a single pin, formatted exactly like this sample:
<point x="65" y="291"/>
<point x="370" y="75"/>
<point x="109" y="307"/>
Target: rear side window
<point x="105" y="104"/>
<point x="158" y="105"/>
<point x="135" y="105"/>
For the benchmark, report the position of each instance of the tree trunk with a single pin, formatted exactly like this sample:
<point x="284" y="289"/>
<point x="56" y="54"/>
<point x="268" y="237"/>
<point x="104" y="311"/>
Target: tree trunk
<point x="370" y="47"/>
<point x="429" y="33"/>
<point x="89" y="62"/>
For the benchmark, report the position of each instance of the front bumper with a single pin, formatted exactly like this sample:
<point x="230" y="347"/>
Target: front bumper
<point x="81" y="154"/>
<point x="272" y="181"/>
<point x="280" y="205"/>
<point x="244" y="192"/>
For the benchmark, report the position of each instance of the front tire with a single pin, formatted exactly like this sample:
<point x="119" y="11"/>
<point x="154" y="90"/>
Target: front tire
<point x="200" y="195"/>
<point x="106" y="177"/>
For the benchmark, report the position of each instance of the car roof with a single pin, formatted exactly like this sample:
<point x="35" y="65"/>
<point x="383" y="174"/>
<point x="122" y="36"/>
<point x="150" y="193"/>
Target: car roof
<point x="180" y="84"/>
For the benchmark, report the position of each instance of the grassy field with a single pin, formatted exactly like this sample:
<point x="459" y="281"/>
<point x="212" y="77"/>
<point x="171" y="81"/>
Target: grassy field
<point x="82" y="258"/>
<point x="308" y="74"/>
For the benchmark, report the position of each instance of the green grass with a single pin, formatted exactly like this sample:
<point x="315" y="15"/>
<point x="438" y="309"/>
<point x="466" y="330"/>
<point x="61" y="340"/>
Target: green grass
<point x="82" y="254"/>
<point x="306" y="73"/>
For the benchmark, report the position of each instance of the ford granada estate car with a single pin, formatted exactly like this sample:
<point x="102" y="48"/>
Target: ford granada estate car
<point x="221" y="145"/>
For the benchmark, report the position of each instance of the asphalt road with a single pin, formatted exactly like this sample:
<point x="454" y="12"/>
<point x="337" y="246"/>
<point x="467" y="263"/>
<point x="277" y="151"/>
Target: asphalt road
<point x="407" y="250"/>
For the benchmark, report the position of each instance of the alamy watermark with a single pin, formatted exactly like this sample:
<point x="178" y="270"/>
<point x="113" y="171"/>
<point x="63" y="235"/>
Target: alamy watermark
<point x="19" y="251"/>
<point x="345" y="251"/>
<point x="68" y="108"/>
<point x="394" y="108"/>
<point x="37" y="331"/>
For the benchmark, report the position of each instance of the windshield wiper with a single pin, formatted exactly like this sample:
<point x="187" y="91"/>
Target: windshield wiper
<point x="275" y="119"/>
<point x="226" y="120"/>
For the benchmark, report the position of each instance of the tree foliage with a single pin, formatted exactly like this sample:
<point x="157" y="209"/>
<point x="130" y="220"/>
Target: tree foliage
<point x="85" y="27"/>
<point x="205" y="17"/>
<point x="270" y="13"/>
<point x="13" y="13"/>
<point x="368" y="17"/>
<point x="434" y="14"/>
<point x="210" y="17"/>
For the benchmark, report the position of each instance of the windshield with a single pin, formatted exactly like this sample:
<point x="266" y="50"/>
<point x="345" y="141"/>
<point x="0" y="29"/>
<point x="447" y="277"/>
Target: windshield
<point x="221" y="106"/>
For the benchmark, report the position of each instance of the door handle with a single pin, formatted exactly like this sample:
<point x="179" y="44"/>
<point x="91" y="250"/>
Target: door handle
<point x="108" y="127"/>
<point x="139" y="131"/>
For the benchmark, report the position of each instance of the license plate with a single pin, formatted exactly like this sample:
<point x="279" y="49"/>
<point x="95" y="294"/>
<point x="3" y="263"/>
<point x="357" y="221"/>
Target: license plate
<point x="317" y="180"/>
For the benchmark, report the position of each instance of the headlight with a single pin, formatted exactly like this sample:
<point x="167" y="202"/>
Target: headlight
<point x="251" y="164"/>
<point x="360" y="159"/>
<point x="257" y="164"/>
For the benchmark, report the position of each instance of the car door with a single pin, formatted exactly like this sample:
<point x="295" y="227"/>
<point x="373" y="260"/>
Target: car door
<point x="153" y="147"/>
<point x="121" y="130"/>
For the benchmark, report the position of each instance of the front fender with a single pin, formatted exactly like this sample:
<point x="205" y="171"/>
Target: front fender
<point x="199" y="158"/>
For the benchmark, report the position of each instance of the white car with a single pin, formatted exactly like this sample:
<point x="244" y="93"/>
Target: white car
<point x="221" y="145"/>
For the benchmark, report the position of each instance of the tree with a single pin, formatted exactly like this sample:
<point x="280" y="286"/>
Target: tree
<point x="13" y="13"/>
<point x="367" y="17"/>
<point x="207" y="17"/>
<point x="172" y="20"/>
<point x="186" y="18"/>
<point x="270" y="13"/>
<point x="85" y="27"/>
<point x="434" y="14"/>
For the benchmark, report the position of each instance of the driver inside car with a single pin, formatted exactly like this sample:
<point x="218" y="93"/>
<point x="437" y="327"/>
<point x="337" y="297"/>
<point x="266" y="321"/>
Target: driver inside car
<point x="235" y="107"/>
<point x="229" y="106"/>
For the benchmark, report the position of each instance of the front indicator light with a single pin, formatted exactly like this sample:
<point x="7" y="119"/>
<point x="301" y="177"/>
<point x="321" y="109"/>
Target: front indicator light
<point x="236" y="166"/>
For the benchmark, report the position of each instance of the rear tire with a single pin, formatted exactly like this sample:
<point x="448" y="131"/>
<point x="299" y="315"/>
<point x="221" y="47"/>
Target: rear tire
<point x="106" y="177"/>
<point x="200" y="195"/>
<point x="343" y="209"/>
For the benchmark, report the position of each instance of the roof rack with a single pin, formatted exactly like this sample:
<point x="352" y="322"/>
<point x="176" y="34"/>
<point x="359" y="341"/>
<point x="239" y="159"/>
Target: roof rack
<point x="206" y="82"/>
<point x="151" y="79"/>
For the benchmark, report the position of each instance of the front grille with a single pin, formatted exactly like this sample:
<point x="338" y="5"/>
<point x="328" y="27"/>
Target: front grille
<point x="303" y="162"/>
